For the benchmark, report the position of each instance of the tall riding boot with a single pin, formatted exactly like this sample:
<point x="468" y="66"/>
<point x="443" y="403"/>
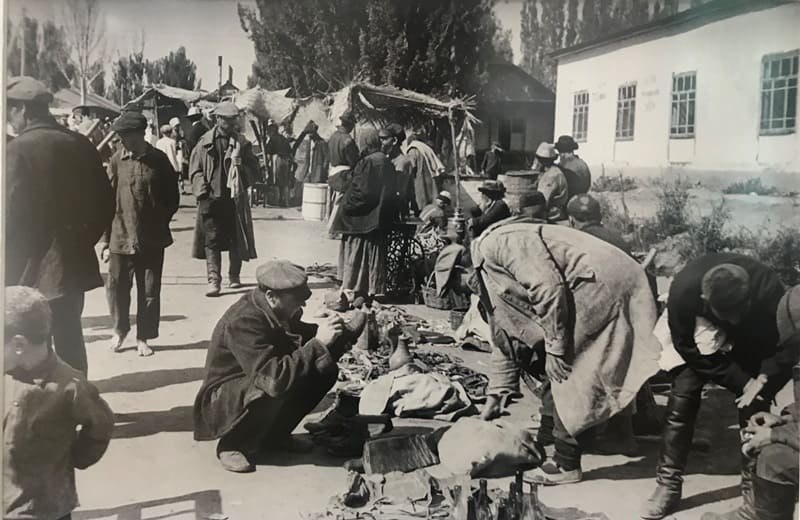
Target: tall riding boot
<point x="213" y="268"/>
<point x="773" y="501"/>
<point x="676" y="442"/>
<point x="747" y="510"/>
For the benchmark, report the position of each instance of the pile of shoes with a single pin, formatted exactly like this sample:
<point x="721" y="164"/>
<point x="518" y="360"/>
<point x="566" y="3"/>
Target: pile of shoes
<point x="343" y="432"/>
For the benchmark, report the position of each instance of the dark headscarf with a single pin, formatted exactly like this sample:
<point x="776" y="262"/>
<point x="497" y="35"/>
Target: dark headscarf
<point x="368" y="141"/>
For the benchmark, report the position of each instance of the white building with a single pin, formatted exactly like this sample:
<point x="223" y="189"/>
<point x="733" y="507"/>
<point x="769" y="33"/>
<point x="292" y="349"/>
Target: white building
<point x="710" y="92"/>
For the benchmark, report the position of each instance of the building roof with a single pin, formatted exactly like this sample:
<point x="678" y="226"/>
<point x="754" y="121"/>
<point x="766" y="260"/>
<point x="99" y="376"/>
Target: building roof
<point x="70" y="97"/>
<point x="687" y="20"/>
<point x="509" y="83"/>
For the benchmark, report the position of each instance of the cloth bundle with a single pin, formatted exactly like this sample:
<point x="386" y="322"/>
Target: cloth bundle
<point x="709" y="339"/>
<point x="411" y="392"/>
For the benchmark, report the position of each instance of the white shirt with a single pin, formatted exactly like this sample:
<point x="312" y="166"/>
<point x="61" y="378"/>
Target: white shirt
<point x="169" y="146"/>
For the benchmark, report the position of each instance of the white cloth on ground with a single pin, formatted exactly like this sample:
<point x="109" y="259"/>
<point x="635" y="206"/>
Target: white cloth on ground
<point x="708" y="337"/>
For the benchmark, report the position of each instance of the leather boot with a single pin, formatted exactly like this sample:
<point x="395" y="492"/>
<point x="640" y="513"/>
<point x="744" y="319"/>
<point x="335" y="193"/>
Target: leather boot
<point x="773" y="501"/>
<point x="213" y="268"/>
<point x="675" y="445"/>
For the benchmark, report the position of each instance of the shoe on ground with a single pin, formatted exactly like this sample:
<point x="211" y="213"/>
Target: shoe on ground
<point x="235" y="461"/>
<point x="294" y="444"/>
<point x="551" y="474"/>
<point x="661" y="503"/>
<point x="333" y="422"/>
<point x="213" y="289"/>
<point x="235" y="283"/>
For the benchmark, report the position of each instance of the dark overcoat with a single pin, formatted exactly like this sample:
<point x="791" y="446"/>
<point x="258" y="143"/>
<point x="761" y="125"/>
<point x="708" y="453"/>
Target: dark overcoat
<point x="369" y="204"/>
<point x="253" y="356"/>
<point x="58" y="204"/>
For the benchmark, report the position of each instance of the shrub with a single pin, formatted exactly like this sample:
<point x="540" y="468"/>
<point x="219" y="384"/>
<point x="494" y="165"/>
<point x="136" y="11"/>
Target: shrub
<point x="615" y="184"/>
<point x="781" y="252"/>
<point x="750" y="186"/>
<point x="707" y="234"/>
<point x="672" y="215"/>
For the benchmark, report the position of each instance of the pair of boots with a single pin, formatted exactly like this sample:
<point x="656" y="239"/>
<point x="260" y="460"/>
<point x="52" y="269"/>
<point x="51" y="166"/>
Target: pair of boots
<point x="764" y="500"/>
<point x="213" y="272"/>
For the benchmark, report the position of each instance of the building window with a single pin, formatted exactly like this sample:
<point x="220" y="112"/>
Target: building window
<point x="511" y="134"/>
<point x="626" y="111"/>
<point x="580" y="116"/>
<point x="779" y="93"/>
<point x="684" y="87"/>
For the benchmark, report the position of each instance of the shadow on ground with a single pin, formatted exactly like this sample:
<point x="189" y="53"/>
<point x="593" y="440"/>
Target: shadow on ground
<point x="202" y="503"/>
<point x="149" y="380"/>
<point x="143" y="424"/>
<point x="104" y="322"/>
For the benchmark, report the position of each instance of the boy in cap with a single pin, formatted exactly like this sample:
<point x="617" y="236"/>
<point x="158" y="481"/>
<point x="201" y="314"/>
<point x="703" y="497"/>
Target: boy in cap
<point x="552" y="182"/>
<point x="576" y="171"/>
<point x="58" y="203"/>
<point x="773" y="441"/>
<point x="146" y="196"/>
<point x="266" y="369"/>
<point x="221" y="168"/>
<point x="739" y="295"/>
<point x="54" y="420"/>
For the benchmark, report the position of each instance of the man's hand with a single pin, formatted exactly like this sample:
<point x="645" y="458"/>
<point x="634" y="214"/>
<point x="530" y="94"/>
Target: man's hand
<point x="751" y="391"/>
<point x="492" y="409"/>
<point x="330" y="330"/>
<point x="556" y="368"/>
<point x="755" y="438"/>
<point x="765" y="419"/>
<point x="105" y="253"/>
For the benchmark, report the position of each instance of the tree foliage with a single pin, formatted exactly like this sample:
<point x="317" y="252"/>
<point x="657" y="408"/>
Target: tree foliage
<point x="433" y="46"/>
<point x="175" y="70"/>
<point x="84" y="28"/>
<point x="46" y="50"/>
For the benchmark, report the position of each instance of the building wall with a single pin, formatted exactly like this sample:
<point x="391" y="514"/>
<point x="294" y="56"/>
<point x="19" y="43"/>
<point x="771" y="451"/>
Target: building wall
<point x="726" y="56"/>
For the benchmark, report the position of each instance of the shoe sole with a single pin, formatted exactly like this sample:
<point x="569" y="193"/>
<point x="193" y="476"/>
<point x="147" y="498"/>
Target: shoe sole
<point x="552" y="483"/>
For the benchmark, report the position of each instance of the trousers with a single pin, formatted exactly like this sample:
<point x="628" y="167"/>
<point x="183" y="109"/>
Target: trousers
<point x="568" y="448"/>
<point x="214" y="265"/>
<point x="146" y="268"/>
<point x="778" y="463"/>
<point x="682" y="408"/>
<point x="67" y="331"/>
<point x="269" y="419"/>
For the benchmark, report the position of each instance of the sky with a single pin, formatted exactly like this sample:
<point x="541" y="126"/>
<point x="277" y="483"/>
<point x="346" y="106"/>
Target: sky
<point x="206" y="28"/>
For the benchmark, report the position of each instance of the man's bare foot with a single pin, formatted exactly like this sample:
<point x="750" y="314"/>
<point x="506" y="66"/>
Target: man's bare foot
<point x="143" y="348"/>
<point x="116" y="342"/>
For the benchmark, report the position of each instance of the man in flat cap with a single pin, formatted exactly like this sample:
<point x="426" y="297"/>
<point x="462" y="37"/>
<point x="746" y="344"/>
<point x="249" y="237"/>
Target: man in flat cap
<point x="392" y="138"/>
<point x="552" y="182"/>
<point x="221" y="168"/>
<point x="576" y="171"/>
<point x="739" y="295"/>
<point x="266" y="369"/>
<point x="146" y="196"/>
<point x="584" y="214"/>
<point x="343" y="155"/>
<point x="58" y="203"/>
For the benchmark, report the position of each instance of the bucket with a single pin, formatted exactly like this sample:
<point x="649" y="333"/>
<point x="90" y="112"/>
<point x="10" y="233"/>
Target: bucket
<point x="518" y="183"/>
<point x="315" y="201"/>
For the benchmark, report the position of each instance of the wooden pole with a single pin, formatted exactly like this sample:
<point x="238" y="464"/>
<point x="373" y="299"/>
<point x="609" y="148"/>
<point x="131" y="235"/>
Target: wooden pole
<point x="450" y="119"/>
<point x="157" y="128"/>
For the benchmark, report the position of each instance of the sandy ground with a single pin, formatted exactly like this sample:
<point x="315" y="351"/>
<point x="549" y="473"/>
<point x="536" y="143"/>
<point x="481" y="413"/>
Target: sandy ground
<point x="155" y="470"/>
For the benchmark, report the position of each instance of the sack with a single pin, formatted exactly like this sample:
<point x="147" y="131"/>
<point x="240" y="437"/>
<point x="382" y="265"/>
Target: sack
<point x="488" y="449"/>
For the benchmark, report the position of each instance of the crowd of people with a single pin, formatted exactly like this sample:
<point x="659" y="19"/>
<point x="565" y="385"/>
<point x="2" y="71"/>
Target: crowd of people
<point x="565" y="302"/>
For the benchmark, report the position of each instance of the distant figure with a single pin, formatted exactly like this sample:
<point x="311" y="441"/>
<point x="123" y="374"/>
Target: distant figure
<point x="279" y="153"/>
<point x="196" y="130"/>
<point x="150" y="134"/>
<point x="552" y="182"/>
<point x="492" y="207"/>
<point x="169" y="146"/>
<point x="584" y="214"/>
<point x="576" y="171"/>
<point x="58" y="203"/>
<point x="134" y="244"/>
<point x="492" y="164"/>
<point x="54" y="421"/>
<point x="343" y="155"/>
<point x="434" y="215"/>
<point x="311" y="157"/>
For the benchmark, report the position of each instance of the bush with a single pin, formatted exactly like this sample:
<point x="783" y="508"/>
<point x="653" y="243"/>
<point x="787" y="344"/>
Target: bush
<point x="615" y="184"/>
<point x="750" y="186"/>
<point x="781" y="252"/>
<point x="672" y="215"/>
<point x="707" y="234"/>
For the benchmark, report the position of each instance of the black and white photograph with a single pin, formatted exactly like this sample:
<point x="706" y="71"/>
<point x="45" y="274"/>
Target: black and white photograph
<point x="400" y="259"/>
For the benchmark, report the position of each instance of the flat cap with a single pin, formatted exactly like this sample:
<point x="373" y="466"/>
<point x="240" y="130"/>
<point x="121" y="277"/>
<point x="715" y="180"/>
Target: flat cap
<point x="25" y="88"/>
<point x="395" y="130"/>
<point x="584" y="208"/>
<point x="726" y="286"/>
<point x="129" y="122"/>
<point x="27" y="314"/>
<point x="226" y="109"/>
<point x="281" y="275"/>
<point x="531" y="199"/>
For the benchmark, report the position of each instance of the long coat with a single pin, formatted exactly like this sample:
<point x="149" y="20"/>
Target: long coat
<point x="58" y="204"/>
<point x="221" y="222"/>
<point x="590" y="301"/>
<point x="369" y="203"/>
<point x="253" y="356"/>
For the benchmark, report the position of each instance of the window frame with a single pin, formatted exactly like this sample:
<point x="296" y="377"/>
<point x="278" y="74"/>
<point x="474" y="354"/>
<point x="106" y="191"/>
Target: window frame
<point x="580" y="116"/>
<point x="793" y="76"/>
<point x="688" y="98"/>
<point x="626" y="109"/>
